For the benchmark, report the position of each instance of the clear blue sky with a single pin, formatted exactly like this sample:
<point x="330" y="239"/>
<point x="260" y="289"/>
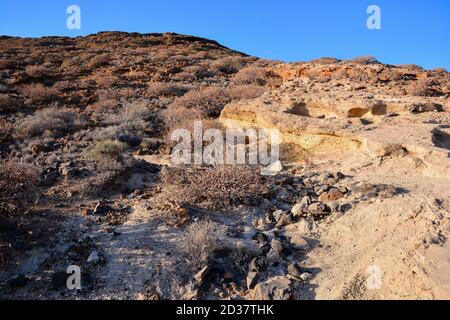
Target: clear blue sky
<point x="413" y="31"/>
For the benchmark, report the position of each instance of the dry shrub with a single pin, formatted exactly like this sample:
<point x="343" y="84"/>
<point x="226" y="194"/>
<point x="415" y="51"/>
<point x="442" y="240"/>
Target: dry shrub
<point x="107" y="173"/>
<point x="72" y="62"/>
<point x="107" y="80"/>
<point x="209" y="100"/>
<point x="50" y="120"/>
<point x="6" y="129"/>
<point x="106" y="149"/>
<point x="200" y="241"/>
<point x="164" y="89"/>
<point x="201" y="55"/>
<point x="192" y="73"/>
<point x="175" y="115"/>
<point x="221" y="187"/>
<point x="411" y="67"/>
<point x="7" y="103"/>
<point x="422" y="87"/>
<point x="6" y="63"/>
<point x="246" y="91"/>
<point x="99" y="61"/>
<point x="440" y="70"/>
<point x="106" y="100"/>
<point x="37" y="71"/>
<point x="187" y="122"/>
<point x="325" y="61"/>
<point x="65" y="85"/>
<point x="18" y="182"/>
<point x="129" y="124"/>
<point x="363" y="60"/>
<point x="38" y="93"/>
<point x="250" y="75"/>
<point x="392" y="74"/>
<point x="228" y="65"/>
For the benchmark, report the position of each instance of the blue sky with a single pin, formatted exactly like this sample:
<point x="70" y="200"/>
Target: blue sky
<point x="413" y="31"/>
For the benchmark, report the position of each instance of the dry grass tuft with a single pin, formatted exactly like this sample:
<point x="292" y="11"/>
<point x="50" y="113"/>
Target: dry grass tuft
<point x="201" y="240"/>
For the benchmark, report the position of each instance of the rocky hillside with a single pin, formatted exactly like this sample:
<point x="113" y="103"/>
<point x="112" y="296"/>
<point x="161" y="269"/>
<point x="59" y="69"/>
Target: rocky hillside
<point x="86" y="178"/>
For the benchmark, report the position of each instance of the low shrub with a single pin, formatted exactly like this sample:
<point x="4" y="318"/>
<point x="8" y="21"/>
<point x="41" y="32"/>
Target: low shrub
<point x="37" y="71"/>
<point x="18" y="182"/>
<point x="363" y="60"/>
<point x="99" y="60"/>
<point x="7" y="103"/>
<point x="221" y="187"/>
<point x="209" y="100"/>
<point x="38" y="93"/>
<point x="50" y="120"/>
<point x="246" y="91"/>
<point x="164" y="89"/>
<point x="106" y="149"/>
<point x="250" y="75"/>
<point x="228" y="65"/>
<point x="422" y="87"/>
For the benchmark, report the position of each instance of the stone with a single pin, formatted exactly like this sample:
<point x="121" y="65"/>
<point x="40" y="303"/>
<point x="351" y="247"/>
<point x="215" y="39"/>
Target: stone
<point x="261" y="238"/>
<point x="284" y="220"/>
<point x="297" y="209"/>
<point x="305" y="276"/>
<point x="339" y="175"/>
<point x="257" y="264"/>
<point x="252" y="279"/>
<point x="93" y="257"/>
<point x="277" y="246"/>
<point x="200" y="276"/>
<point x="261" y="292"/>
<point x="299" y="243"/>
<point x="304" y="227"/>
<point x="281" y="289"/>
<point x="294" y="270"/>
<point x="331" y="195"/>
<point x="272" y="169"/>
<point x="277" y="288"/>
<point x="317" y="208"/>
<point x="334" y="206"/>
<point x="249" y="233"/>
<point x="278" y="214"/>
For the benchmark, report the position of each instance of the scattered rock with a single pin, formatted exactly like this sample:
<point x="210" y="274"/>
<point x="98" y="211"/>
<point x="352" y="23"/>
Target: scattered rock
<point x="295" y="270"/>
<point x="299" y="243"/>
<point x="261" y="238"/>
<point x="331" y="195"/>
<point x="278" y="288"/>
<point x="93" y="257"/>
<point x="272" y="169"/>
<point x="339" y="175"/>
<point x="284" y="220"/>
<point x="252" y="279"/>
<point x="304" y="227"/>
<point x="317" y="208"/>
<point x="305" y="276"/>
<point x="300" y="207"/>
